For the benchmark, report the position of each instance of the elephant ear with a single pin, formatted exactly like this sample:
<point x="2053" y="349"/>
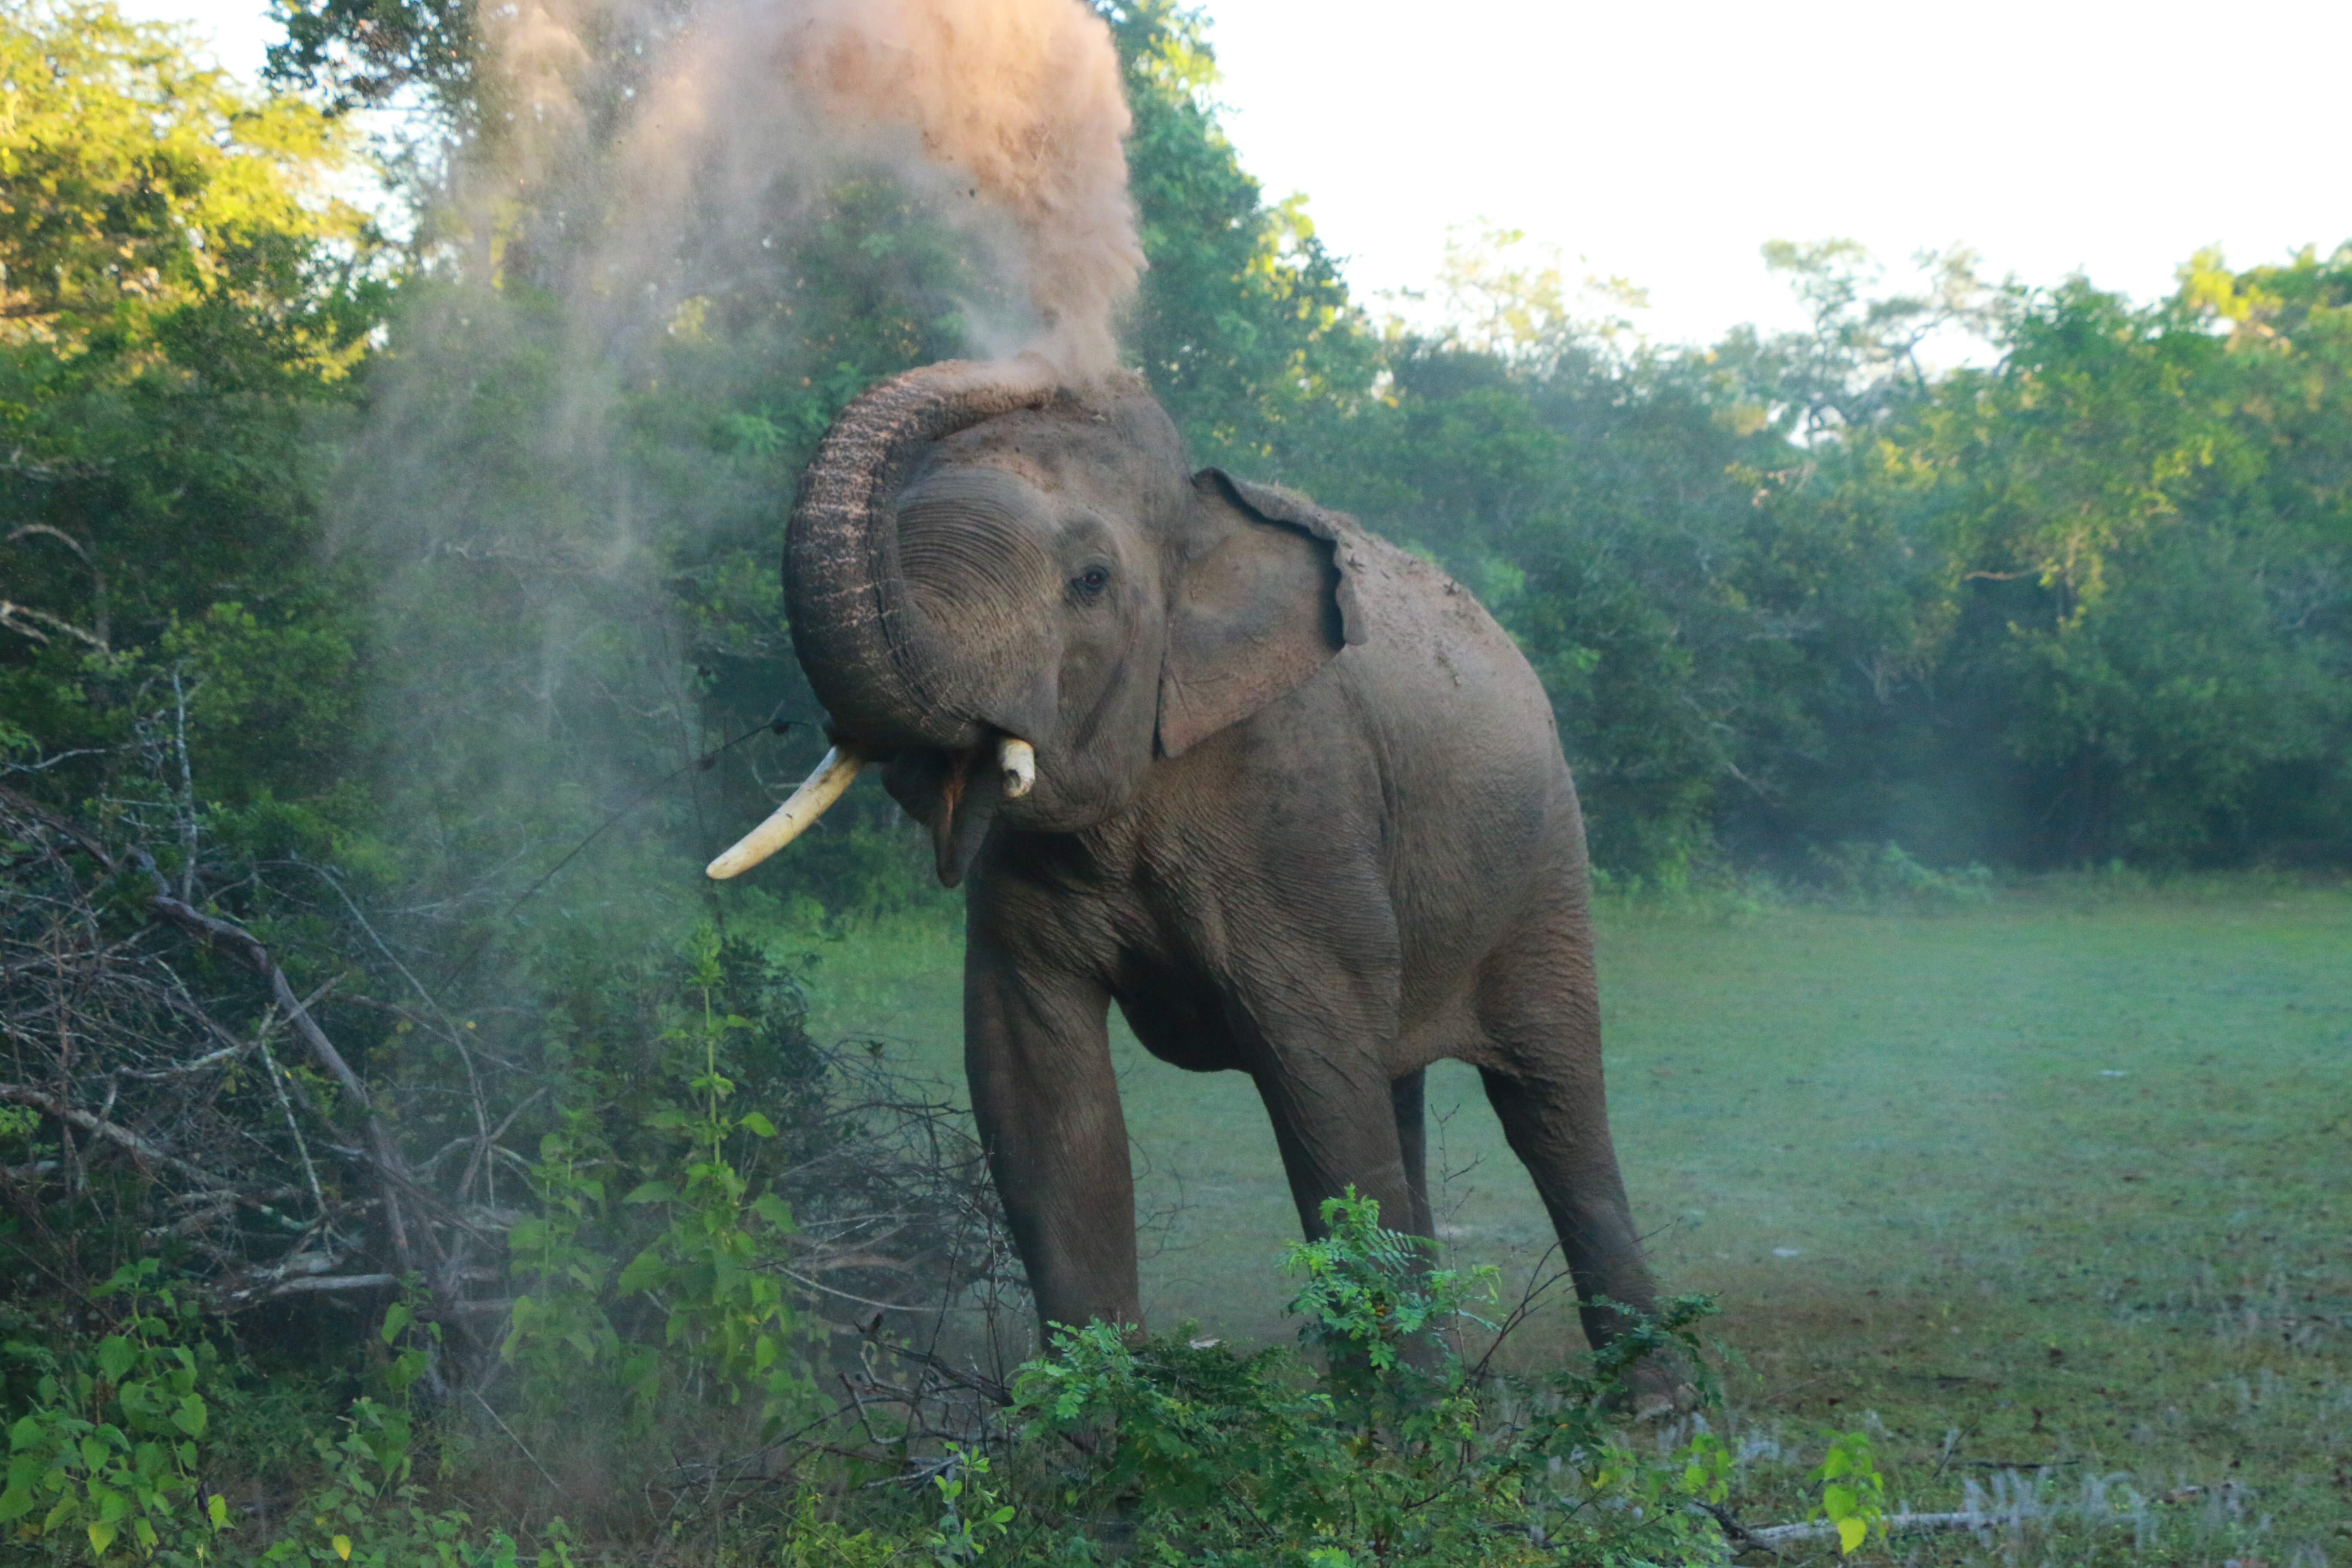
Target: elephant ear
<point x="1267" y="596"/>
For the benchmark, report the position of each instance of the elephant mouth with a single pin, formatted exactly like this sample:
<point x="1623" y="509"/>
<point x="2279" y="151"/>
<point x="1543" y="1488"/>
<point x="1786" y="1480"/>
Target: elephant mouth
<point x="956" y="794"/>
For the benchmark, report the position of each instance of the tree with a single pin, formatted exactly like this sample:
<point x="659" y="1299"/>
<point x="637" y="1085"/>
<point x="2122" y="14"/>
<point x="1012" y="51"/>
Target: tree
<point x="183" y="298"/>
<point x="1242" y="326"/>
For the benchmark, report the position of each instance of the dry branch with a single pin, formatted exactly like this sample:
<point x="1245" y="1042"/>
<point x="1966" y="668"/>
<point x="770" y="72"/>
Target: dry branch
<point x="1823" y="1530"/>
<point x="140" y="1148"/>
<point x="111" y="1045"/>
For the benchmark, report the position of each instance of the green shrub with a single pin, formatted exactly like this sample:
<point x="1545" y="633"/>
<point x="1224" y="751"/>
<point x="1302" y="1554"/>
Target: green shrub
<point x="107" y="1450"/>
<point x="1881" y="877"/>
<point x="1394" y="1451"/>
<point x="704" y="1228"/>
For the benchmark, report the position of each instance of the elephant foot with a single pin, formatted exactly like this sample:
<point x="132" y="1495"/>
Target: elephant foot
<point x="1658" y="1387"/>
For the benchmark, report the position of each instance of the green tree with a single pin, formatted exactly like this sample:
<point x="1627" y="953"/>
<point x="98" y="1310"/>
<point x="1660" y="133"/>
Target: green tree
<point x="1244" y="325"/>
<point x="2149" y="587"/>
<point x="184" y="301"/>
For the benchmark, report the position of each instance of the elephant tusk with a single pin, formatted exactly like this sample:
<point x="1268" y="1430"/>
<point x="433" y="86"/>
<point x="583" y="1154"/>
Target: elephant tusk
<point x="1019" y="761"/>
<point x="791" y="819"/>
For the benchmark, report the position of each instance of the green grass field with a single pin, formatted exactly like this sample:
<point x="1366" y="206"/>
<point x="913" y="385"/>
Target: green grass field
<point x="2053" y="1197"/>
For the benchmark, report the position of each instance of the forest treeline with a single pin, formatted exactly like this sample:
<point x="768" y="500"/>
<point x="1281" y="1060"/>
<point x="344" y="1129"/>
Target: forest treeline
<point x="2087" y="599"/>
<point x="387" y="638"/>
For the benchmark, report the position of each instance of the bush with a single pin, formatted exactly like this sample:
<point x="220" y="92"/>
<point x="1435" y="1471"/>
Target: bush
<point x="1880" y="877"/>
<point x="1394" y="1449"/>
<point x="107" y="1447"/>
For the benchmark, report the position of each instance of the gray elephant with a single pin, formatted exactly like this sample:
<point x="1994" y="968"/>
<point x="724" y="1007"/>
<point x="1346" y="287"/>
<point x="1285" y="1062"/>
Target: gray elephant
<point x="1283" y="792"/>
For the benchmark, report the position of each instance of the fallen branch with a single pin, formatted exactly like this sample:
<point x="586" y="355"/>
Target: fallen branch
<point x="1822" y="1529"/>
<point x="312" y="1283"/>
<point x="139" y="1148"/>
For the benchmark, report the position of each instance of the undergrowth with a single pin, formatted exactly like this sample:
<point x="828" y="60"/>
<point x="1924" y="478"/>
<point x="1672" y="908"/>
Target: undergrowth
<point x="1374" y="1441"/>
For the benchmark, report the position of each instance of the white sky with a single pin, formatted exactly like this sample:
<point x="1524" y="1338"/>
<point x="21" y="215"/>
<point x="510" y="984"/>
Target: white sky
<point x="1666" y="141"/>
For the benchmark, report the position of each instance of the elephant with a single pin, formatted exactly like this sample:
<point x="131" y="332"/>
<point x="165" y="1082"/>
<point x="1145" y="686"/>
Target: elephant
<point x="1281" y="791"/>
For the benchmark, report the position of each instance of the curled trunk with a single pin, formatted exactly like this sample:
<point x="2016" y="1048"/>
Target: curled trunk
<point x="871" y="655"/>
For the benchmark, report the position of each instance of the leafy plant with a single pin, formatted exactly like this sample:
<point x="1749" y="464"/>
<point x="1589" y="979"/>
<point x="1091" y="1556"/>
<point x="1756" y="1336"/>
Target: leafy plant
<point x="712" y="1266"/>
<point x="724" y="1308"/>
<point x="1367" y="1288"/>
<point x="370" y="1509"/>
<point x="970" y="1514"/>
<point x="1399" y="1452"/>
<point x="1853" y="1494"/>
<point x="110" y="1448"/>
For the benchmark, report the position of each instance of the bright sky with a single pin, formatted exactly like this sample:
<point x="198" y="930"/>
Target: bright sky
<point x="1665" y="143"/>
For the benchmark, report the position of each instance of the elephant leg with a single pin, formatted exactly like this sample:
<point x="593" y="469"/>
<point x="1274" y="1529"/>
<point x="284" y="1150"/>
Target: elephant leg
<point x="1564" y="1143"/>
<point x="1338" y="1132"/>
<point x="1406" y="1097"/>
<point x="1037" y="1054"/>
<point x="1334" y="1134"/>
<point x="1540" y="1011"/>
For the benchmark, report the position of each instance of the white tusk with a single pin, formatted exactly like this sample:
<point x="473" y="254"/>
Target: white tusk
<point x="1019" y="761"/>
<point x="791" y="819"/>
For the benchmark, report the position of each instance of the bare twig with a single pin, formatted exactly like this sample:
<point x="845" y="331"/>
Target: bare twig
<point x="321" y="1283"/>
<point x="302" y="1148"/>
<point x="187" y="788"/>
<point x="517" y="1442"/>
<point x="139" y="1148"/>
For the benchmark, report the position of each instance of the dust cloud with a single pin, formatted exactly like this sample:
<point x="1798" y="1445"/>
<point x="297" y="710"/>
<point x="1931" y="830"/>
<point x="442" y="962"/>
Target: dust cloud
<point x="673" y="237"/>
<point x="1007" y="115"/>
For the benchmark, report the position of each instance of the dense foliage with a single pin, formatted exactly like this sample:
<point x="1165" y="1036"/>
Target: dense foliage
<point x="392" y="1124"/>
<point x="2087" y="602"/>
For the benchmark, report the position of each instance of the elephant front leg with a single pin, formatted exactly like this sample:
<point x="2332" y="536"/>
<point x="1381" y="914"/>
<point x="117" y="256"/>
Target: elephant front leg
<point x="1037" y="1054"/>
<point x="1315" y="1007"/>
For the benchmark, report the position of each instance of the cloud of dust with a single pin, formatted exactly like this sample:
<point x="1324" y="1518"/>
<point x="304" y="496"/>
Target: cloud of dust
<point x="1011" y="109"/>
<point x="679" y="234"/>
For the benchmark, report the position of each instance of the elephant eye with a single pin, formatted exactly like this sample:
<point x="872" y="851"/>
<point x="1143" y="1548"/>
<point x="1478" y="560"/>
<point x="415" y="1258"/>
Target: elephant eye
<point x="1093" y="580"/>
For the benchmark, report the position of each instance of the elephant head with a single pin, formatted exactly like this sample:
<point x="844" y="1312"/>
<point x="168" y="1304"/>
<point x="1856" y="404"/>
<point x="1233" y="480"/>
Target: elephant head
<point x="1015" y="596"/>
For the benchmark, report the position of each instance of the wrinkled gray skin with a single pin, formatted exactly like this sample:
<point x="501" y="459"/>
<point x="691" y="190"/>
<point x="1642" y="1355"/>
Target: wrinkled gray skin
<point x="1300" y="810"/>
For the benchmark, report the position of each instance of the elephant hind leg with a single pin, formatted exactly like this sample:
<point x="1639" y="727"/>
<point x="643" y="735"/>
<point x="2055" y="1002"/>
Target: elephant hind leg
<point x="1575" y="1171"/>
<point x="1540" y="1013"/>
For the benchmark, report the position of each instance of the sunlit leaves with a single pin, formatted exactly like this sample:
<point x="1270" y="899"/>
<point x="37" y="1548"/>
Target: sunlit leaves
<point x="137" y="183"/>
<point x="1854" y="1493"/>
<point x="1242" y="326"/>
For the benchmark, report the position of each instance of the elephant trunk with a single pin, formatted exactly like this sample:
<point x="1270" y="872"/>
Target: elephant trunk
<point x="871" y="654"/>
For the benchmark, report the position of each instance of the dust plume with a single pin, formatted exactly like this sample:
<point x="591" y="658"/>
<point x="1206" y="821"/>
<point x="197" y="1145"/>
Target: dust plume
<point x="674" y="237"/>
<point x="1022" y="96"/>
<point x="1008" y="115"/>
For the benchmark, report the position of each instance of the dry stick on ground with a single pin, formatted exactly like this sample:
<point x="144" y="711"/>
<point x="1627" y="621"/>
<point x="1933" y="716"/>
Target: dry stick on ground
<point x="1770" y="1537"/>
<point x="1822" y="1529"/>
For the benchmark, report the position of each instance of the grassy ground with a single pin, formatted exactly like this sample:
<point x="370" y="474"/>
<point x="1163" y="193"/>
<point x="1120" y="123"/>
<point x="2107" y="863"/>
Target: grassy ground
<point x="2053" y="1197"/>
